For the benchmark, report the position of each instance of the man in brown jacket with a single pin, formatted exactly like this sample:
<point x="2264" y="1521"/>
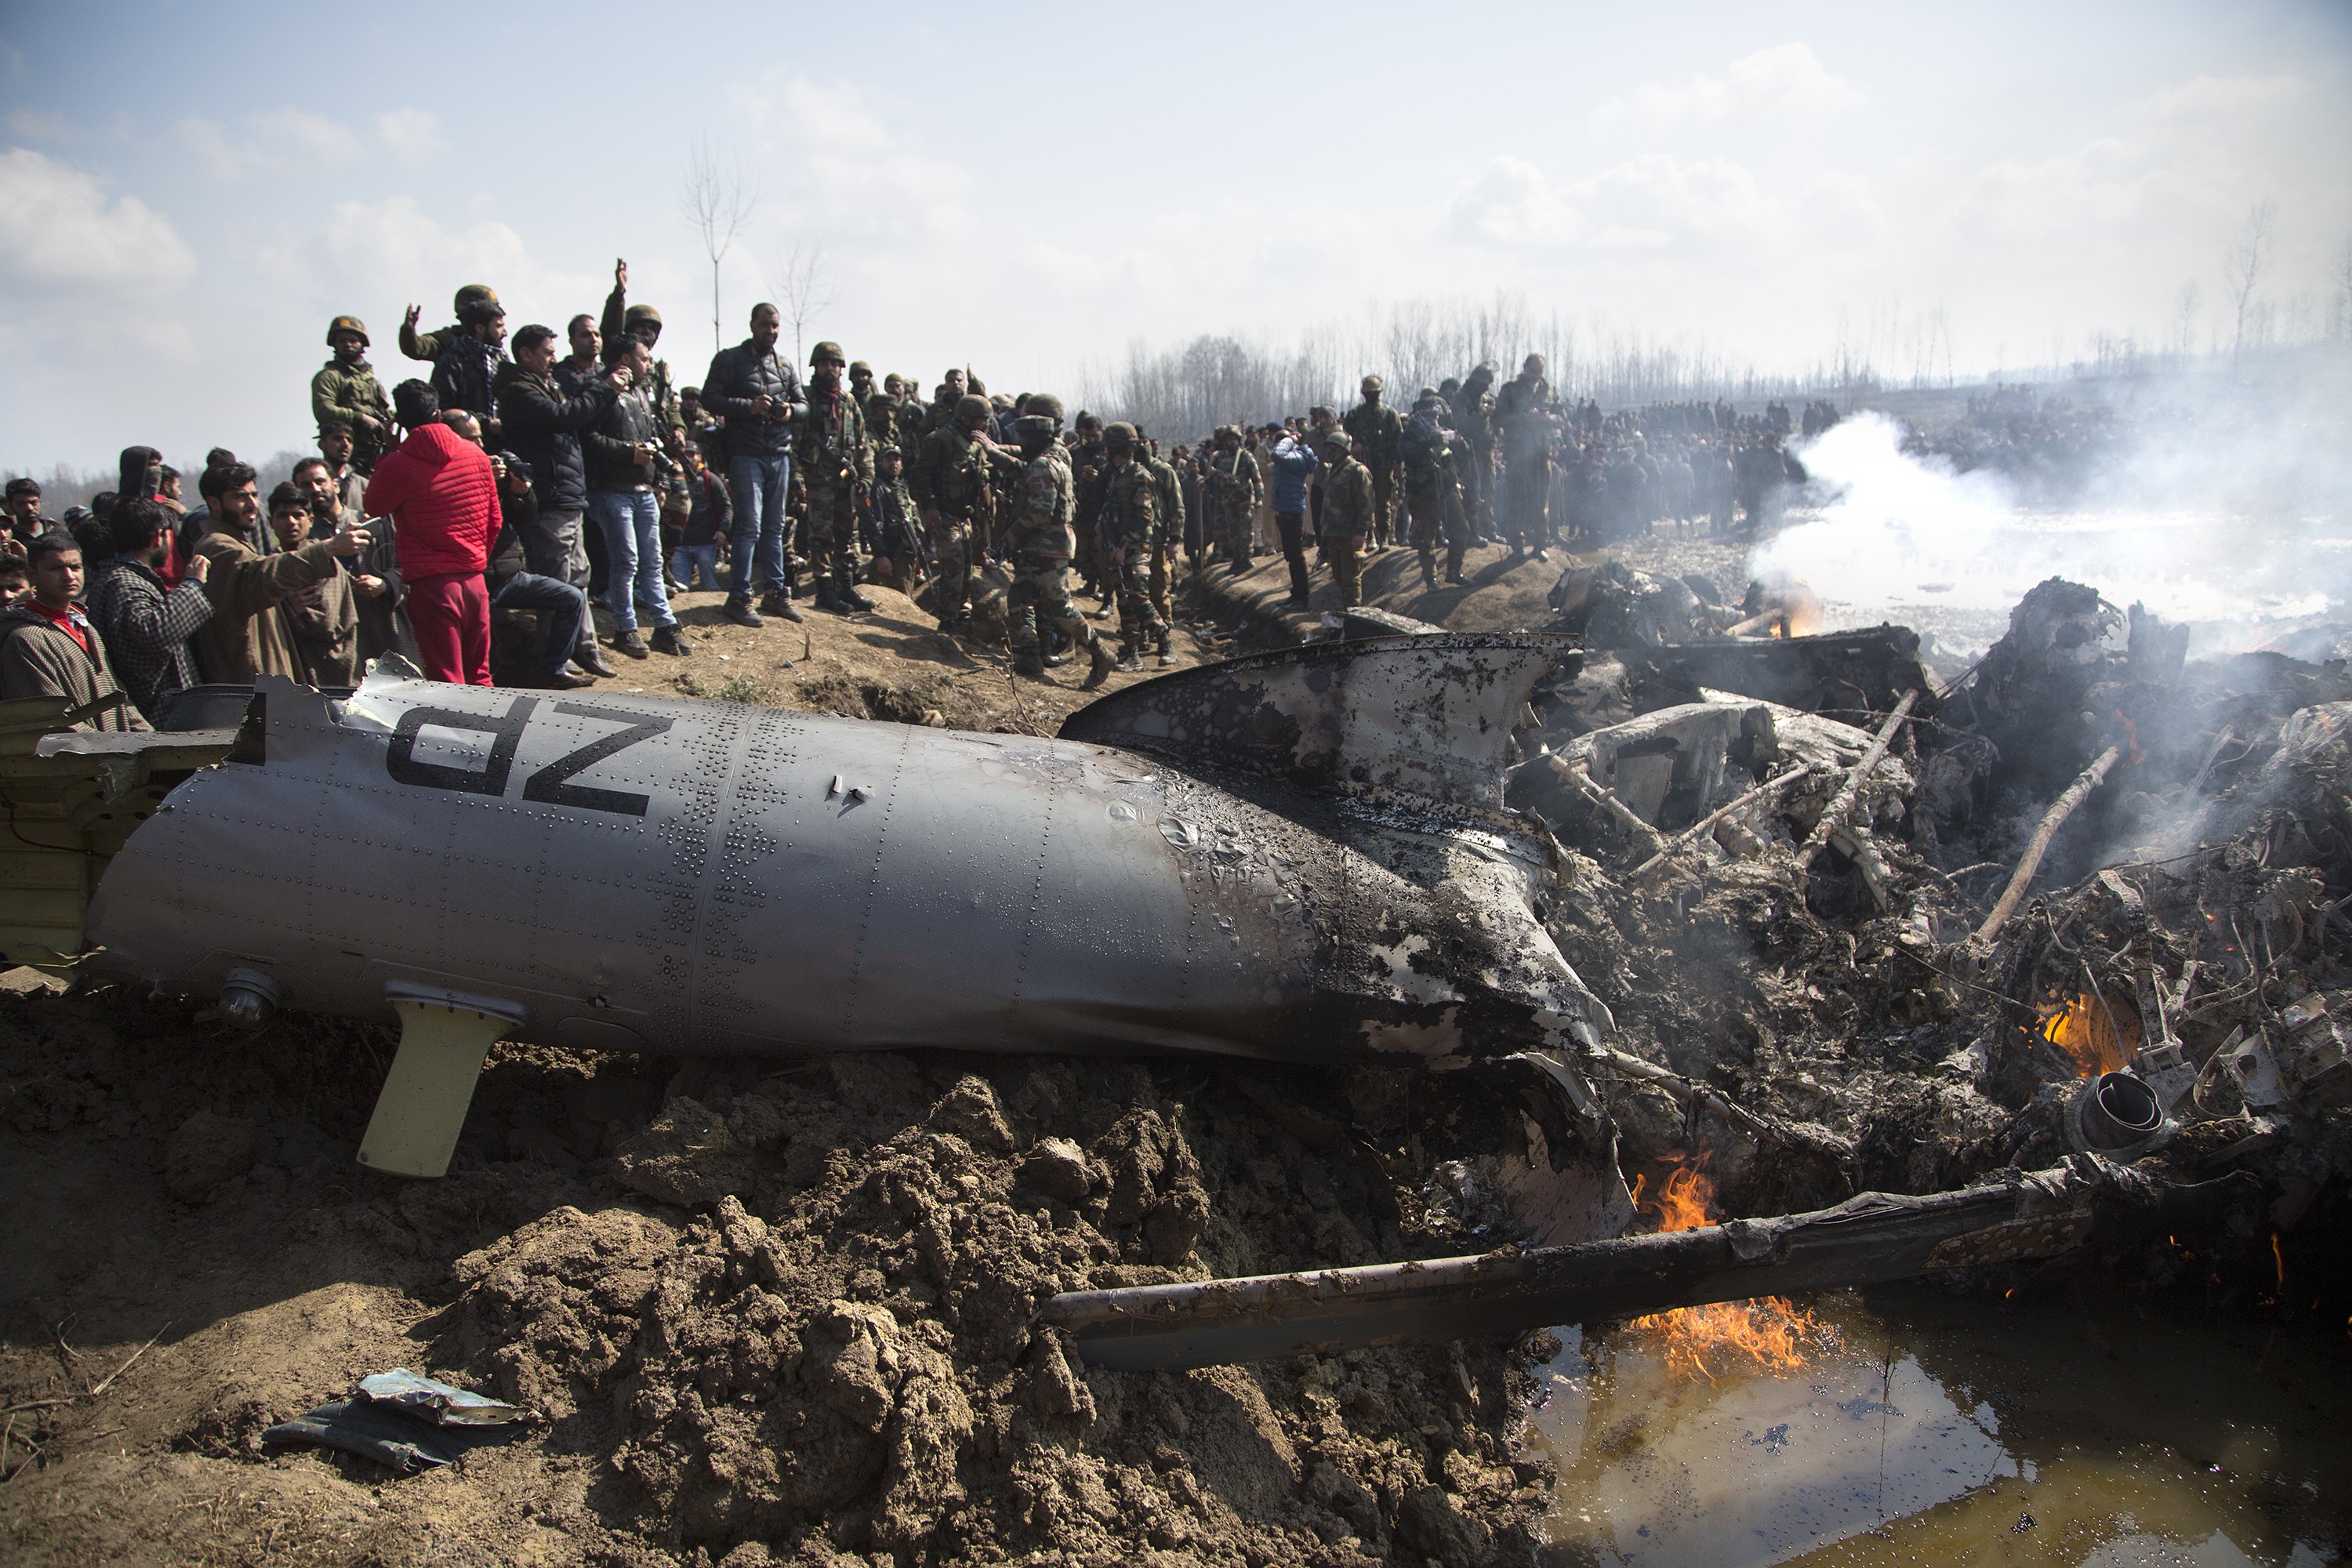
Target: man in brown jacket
<point x="323" y="617"/>
<point x="49" y="648"/>
<point x="250" y="631"/>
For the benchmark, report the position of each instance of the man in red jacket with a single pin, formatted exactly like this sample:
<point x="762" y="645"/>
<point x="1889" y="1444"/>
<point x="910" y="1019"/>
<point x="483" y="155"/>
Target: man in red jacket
<point x="442" y="497"/>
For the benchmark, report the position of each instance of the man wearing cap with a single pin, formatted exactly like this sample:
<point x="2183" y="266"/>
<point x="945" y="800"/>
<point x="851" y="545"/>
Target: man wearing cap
<point x="1039" y="544"/>
<point x="1348" y="506"/>
<point x="1129" y="522"/>
<point x="836" y="469"/>
<point x="758" y="393"/>
<point x="346" y="392"/>
<point x="950" y="482"/>
<point x="1377" y="435"/>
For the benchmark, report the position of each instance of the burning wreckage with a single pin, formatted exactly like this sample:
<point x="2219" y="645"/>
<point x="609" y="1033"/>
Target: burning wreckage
<point x="1927" y="977"/>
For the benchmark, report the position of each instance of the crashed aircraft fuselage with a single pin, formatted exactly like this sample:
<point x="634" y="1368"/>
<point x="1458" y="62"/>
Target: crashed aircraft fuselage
<point x="625" y="873"/>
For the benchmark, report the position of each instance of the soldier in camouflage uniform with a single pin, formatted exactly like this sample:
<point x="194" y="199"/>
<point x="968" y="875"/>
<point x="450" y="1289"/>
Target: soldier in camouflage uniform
<point x="1377" y="435"/>
<point x="345" y="391"/>
<point x="1231" y="485"/>
<point x="1131" y="521"/>
<point x="835" y="463"/>
<point x="1526" y="412"/>
<point x="882" y="415"/>
<point x="1089" y="470"/>
<point x="949" y="482"/>
<point x="427" y="346"/>
<point x="1348" y="505"/>
<point x="895" y="536"/>
<point x="1038" y="541"/>
<point x="1474" y="418"/>
<point x="1432" y="490"/>
<point x="1168" y="493"/>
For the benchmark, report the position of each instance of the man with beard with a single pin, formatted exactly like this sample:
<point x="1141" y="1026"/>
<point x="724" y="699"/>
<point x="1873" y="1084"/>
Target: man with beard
<point x="544" y="424"/>
<point x="147" y="623"/>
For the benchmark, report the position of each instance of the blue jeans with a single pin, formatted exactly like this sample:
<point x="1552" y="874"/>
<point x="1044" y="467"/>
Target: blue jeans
<point x="757" y="487"/>
<point x="561" y="609"/>
<point x="631" y="524"/>
<point x="697" y="566"/>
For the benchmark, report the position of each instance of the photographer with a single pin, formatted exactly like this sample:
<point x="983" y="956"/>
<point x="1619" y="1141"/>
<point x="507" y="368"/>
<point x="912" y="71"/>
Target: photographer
<point x="625" y="463"/>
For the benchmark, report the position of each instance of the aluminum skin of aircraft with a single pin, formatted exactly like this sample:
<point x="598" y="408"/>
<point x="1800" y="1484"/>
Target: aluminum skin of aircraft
<point x="1297" y="856"/>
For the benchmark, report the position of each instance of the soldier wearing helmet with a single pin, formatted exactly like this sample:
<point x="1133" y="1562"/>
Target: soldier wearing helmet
<point x="949" y="482"/>
<point x="472" y="300"/>
<point x="345" y="391"/>
<point x="1039" y="544"/>
<point x="1129" y="524"/>
<point x="1377" y="435"/>
<point x="836" y="473"/>
<point x="1233" y="484"/>
<point x="1348" y="505"/>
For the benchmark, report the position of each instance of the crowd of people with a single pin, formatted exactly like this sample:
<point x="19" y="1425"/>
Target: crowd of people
<point x="569" y="484"/>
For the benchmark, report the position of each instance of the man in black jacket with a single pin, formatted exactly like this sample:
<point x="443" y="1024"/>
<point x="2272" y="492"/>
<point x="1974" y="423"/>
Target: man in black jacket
<point x="624" y="459"/>
<point x="758" y="393"/>
<point x="145" y="623"/>
<point x="543" y="424"/>
<point x="561" y="609"/>
<point x="466" y="372"/>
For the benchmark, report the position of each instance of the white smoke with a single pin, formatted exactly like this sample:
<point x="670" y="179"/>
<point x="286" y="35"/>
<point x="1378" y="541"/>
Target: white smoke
<point x="2225" y="512"/>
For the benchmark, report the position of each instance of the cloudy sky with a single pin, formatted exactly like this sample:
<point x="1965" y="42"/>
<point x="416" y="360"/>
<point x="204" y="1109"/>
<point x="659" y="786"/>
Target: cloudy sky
<point x="188" y="193"/>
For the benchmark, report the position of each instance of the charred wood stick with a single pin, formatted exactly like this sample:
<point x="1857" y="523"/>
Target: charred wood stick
<point x="1856" y="843"/>
<point x="1834" y="815"/>
<point x="1739" y="1116"/>
<point x="1600" y="796"/>
<point x="1696" y="830"/>
<point x="2038" y="845"/>
<point x="1870" y="1238"/>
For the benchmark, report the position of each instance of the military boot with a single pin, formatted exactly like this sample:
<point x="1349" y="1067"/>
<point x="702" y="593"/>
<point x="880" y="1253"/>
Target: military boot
<point x="1129" y="658"/>
<point x="1167" y="648"/>
<point x="826" y="599"/>
<point x="1025" y="661"/>
<point x="1104" y="663"/>
<point x="779" y="604"/>
<point x="845" y="588"/>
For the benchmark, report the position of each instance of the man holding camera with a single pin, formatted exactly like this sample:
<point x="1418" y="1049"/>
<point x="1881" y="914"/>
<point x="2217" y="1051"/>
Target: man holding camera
<point x="624" y="464"/>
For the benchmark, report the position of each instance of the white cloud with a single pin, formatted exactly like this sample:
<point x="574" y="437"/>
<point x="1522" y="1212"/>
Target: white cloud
<point x="412" y="136"/>
<point x="91" y="274"/>
<point x="1786" y="81"/>
<point x="38" y="124"/>
<point x="282" y="141"/>
<point x="1652" y="203"/>
<point x="59" y="234"/>
<point x="368" y="254"/>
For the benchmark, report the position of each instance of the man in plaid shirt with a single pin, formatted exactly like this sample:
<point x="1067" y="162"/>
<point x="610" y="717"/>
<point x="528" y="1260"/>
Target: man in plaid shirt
<point x="145" y="623"/>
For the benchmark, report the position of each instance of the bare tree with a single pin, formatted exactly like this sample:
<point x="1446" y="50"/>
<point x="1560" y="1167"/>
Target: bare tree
<point x="2242" y="266"/>
<point x="2184" y="319"/>
<point x="804" y="291"/>
<point x="716" y="203"/>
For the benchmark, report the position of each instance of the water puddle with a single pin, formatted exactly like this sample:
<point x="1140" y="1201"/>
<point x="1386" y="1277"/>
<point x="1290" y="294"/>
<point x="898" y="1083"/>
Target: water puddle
<point x="1938" y="1429"/>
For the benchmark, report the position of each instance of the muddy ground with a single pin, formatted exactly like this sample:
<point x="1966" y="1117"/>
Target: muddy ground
<point x="787" y="1315"/>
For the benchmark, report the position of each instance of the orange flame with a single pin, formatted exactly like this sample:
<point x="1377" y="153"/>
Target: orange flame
<point x="1769" y="1333"/>
<point x="2095" y="1037"/>
<point x="2138" y="753"/>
